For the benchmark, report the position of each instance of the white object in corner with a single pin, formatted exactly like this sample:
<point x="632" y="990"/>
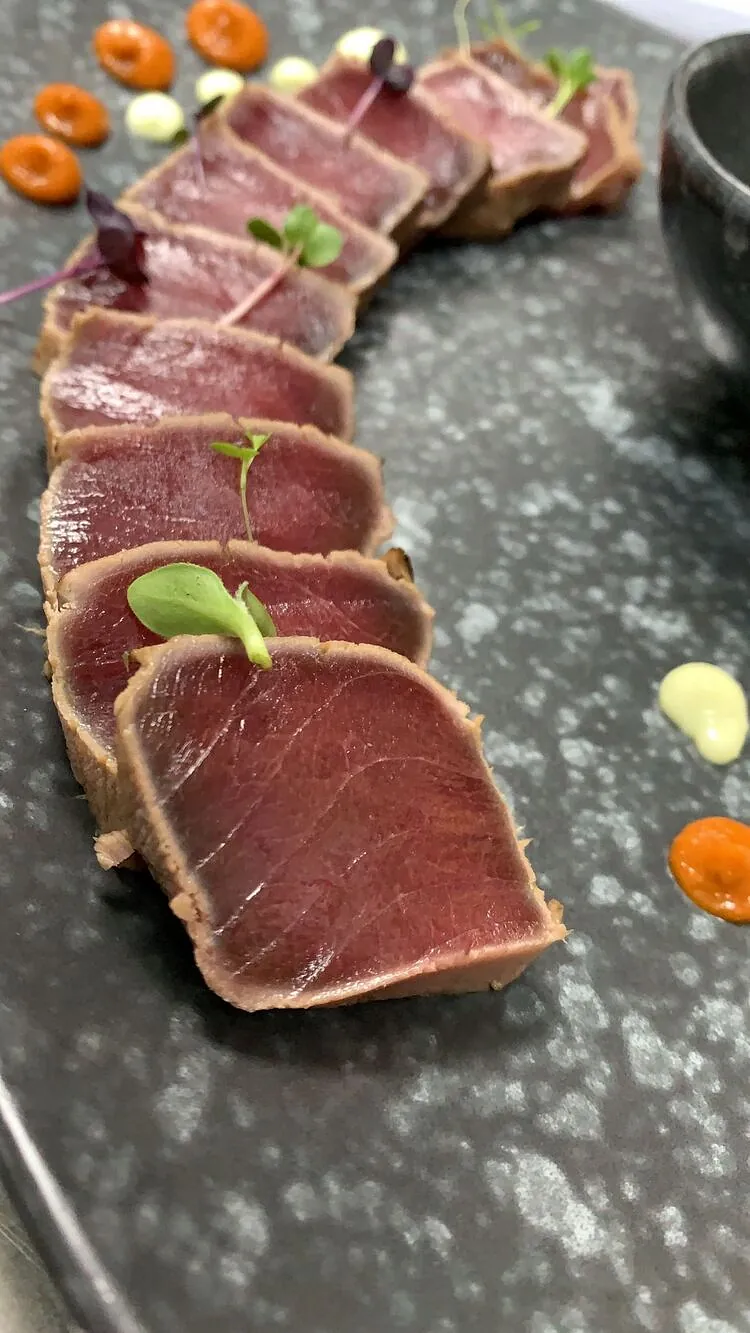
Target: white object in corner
<point x="693" y="20"/>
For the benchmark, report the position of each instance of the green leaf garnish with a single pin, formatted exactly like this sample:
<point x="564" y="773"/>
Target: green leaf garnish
<point x="190" y="599"/>
<point x="299" y="224"/>
<point x="500" y="26"/>
<point x="322" y="247"/>
<point x="257" y="610"/>
<point x="303" y="238"/>
<point x="247" y="454"/>
<point x="263" y="231"/>
<point x="574" y="70"/>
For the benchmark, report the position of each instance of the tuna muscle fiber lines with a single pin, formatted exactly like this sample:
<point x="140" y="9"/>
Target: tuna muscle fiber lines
<point x="359" y="848"/>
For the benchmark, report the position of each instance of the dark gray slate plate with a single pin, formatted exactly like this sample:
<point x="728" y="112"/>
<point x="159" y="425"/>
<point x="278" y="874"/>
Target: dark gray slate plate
<point x="570" y="1157"/>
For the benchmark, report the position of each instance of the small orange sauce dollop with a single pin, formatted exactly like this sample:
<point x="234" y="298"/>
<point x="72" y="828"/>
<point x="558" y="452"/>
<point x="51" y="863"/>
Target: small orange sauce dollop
<point x="72" y="113"/>
<point x="41" y="169"/>
<point x="135" y="55"/>
<point x="227" y="33"/>
<point x="710" y="859"/>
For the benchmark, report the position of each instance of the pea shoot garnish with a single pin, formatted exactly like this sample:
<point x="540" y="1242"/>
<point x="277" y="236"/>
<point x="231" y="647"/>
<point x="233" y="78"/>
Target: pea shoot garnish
<point x="190" y="599"/>
<point x="574" y="71"/>
<point x="246" y="454"/>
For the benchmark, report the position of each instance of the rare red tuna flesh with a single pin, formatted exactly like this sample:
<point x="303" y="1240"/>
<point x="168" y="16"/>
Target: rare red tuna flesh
<point x="327" y="830"/>
<point x="370" y="185"/>
<point x="91" y="634"/>
<point x="242" y="183"/>
<point x="606" y="173"/>
<point x="115" y="367"/>
<point x="195" y="272"/>
<point x="410" y="126"/>
<point x="122" y="486"/>
<point x="533" y="158"/>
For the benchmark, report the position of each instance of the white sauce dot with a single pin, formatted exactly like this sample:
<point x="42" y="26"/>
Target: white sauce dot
<point x="217" y="83"/>
<point x="154" y="116"/>
<point x="358" y="43"/>
<point x="292" y="74"/>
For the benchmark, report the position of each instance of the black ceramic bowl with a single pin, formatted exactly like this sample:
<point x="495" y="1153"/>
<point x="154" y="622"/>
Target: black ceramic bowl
<point x="705" y="193"/>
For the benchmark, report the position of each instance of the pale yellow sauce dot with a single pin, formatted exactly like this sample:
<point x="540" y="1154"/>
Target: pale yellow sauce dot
<point x="292" y="74"/>
<point x="358" y="43"/>
<point x="710" y="706"/>
<point x="217" y="83"/>
<point x="154" y="116"/>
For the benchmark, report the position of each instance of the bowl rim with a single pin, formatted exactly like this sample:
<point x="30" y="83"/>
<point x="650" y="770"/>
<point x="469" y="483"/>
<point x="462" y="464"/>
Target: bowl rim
<point x="699" y="57"/>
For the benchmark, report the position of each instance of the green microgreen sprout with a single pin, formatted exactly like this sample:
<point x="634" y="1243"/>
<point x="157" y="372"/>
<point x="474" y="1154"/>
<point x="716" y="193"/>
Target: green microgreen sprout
<point x="574" y="70"/>
<point x="461" y="24"/>
<point x="500" y="27"/>
<point x="247" y="454"/>
<point x="190" y="599"/>
<point x="303" y="240"/>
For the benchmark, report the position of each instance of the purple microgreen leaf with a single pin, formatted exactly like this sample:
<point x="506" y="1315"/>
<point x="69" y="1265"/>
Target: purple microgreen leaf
<point x="386" y="73"/>
<point x="119" y="248"/>
<point x="119" y="241"/>
<point x="208" y="107"/>
<point x="198" y="118"/>
<point x="381" y="57"/>
<point x="399" y="78"/>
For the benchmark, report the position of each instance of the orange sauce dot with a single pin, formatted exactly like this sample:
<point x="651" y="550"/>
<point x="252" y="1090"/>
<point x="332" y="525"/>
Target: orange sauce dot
<point x="710" y="859"/>
<point x="72" y="113"/>
<point x="41" y="169"/>
<point x="227" y="33"/>
<point x="135" y="55"/>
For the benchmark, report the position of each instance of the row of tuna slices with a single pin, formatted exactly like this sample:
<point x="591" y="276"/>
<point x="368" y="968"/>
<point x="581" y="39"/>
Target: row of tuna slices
<point x="201" y="262"/>
<point x="392" y="783"/>
<point x="585" y="158"/>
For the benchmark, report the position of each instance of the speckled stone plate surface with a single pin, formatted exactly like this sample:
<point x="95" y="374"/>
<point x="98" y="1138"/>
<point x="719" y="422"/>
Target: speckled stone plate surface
<point x="570" y="1157"/>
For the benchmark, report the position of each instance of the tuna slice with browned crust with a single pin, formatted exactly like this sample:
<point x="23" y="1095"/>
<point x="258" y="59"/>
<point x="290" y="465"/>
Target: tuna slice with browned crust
<point x="93" y="631"/>
<point x="242" y="183"/>
<point x="122" y="486"/>
<point x="608" y="171"/>
<point x="193" y="272"/>
<point x="327" y="830"/>
<point x="533" y="158"/>
<point x="115" y="367"/>
<point x="372" y="186"/>
<point x="411" y="126"/>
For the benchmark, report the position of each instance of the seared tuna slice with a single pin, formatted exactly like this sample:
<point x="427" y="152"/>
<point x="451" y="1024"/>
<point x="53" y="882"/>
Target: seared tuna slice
<point x="92" y="633"/>
<point x="122" y="486"/>
<point x="619" y="85"/>
<point x="115" y="367"/>
<point x="242" y="183"/>
<point x="413" y="128"/>
<point x="195" y="272"/>
<point x="533" y="158"/>
<point x="369" y="185"/>
<point x="327" y="830"/>
<point x="606" y="173"/>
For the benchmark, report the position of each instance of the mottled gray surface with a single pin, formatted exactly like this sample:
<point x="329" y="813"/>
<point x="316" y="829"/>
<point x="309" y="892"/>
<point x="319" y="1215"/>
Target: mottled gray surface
<point x="570" y="1157"/>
